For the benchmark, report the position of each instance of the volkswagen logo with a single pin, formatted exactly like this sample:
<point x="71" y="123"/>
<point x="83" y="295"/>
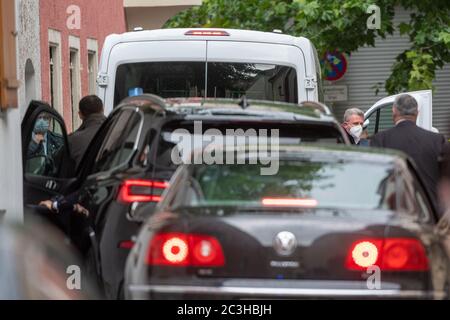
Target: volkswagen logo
<point x="285" y="243"/>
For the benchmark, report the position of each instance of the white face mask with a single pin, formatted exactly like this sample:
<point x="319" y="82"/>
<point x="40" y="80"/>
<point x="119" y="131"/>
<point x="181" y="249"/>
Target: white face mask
<point x="356" y="132"/>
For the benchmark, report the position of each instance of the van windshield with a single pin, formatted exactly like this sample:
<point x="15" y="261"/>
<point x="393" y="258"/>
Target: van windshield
<point x="212" y="80"/>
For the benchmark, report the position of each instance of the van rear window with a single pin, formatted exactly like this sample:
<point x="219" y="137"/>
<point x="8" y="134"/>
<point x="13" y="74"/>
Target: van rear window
<point x="212" y="80"/>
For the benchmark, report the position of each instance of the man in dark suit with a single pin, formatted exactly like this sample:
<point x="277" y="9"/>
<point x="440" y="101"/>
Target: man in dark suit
<point x="91" y="113"/>
<point x="424" y="147"/>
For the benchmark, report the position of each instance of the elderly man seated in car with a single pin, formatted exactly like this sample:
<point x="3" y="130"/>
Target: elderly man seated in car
<point x="45" y="145"/>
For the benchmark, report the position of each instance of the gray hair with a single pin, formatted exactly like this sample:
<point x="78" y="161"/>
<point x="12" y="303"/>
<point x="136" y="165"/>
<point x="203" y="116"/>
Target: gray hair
<point x="406" y="105"/>
<point x="353" y="111"/>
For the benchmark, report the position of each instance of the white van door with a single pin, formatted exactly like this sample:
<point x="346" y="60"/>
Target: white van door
<point x="264" y="56"/>
<point x="123" y="60"/>
<point x="379" y="116"/>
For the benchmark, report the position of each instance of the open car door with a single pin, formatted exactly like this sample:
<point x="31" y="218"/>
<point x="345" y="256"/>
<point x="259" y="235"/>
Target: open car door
<point x="379" y="116"/>
<point x="47" y="165"/>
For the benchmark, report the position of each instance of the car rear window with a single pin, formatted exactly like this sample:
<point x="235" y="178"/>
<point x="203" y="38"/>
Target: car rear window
<point x="362" y="185"/>
<point x="213" y="80"/>
<point x="289" y="134"/>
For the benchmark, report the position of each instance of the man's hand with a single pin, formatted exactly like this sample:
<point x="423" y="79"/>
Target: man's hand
<point x="48" y="204"/>
<point x="81" y="210"/>
<point x="38" y="138"/>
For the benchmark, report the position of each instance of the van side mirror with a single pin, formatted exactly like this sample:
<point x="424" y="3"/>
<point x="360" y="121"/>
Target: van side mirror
<point x="366" y="124"/>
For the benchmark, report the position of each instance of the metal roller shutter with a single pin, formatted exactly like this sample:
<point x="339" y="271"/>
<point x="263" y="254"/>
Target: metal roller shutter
<point x="441" y="101"/>
<point x="370" y="66"/>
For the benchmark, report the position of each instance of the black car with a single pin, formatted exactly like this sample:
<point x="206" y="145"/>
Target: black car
<point x="334" y="222"/>
<point x="129" y="163"/>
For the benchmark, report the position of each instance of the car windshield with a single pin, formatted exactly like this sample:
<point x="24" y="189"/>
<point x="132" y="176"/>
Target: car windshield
<point x="207" y="80"/>
<point x="302" y="184"/>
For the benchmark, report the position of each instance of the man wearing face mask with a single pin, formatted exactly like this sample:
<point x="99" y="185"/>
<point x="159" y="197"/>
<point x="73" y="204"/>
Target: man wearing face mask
<point x="353" y="125"/>
<point x="43" y="141"/>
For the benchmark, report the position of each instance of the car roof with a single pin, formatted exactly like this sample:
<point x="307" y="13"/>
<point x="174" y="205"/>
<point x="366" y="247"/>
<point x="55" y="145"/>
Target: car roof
<point x="199" y="107"/>
<point x="344" y="152"/>
<point x="234" y="35"/>
<point x="321" y="152"/>
<point x="258" y="108"/>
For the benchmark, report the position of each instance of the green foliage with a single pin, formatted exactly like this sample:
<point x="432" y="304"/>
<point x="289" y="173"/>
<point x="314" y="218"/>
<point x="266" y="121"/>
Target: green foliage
<point x="341" y="25"/>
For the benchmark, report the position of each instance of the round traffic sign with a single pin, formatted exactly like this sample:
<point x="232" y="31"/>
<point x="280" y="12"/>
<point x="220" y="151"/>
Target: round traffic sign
<point x="334" y="64"/>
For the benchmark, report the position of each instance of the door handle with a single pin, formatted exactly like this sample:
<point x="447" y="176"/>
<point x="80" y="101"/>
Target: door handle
<point x="51" y="185"/>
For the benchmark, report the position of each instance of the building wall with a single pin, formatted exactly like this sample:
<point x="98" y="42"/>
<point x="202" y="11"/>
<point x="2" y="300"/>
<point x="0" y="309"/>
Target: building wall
<point x="99" y="18"/>
<point x="371" y="66"/>
<point x="151" y="18"/>
<point x="153" y="14"/>
<point x="11" y="200"/>
<point x="29" y="54"/>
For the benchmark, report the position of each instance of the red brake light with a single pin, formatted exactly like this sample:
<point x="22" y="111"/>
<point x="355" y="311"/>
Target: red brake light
<point x="363" y="254"/>
<point x="127" y="244"/>
<point x="213" y="33"/>
<point x="404" y="254"/>
<point x="140" y="191"/>
<point x="179" y="249"/>
<point x="277" y="202"/>
<point x="391" y="254"/>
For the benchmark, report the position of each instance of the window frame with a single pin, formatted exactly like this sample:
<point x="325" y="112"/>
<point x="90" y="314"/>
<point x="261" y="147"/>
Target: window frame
<point x="75" y="80"/>
<point x="128" y="161"/>
<point x="92" y="51"/>
<point x="55" y="78"/>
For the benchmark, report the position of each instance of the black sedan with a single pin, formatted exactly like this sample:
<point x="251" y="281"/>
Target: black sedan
<point x="333" y="222"/>
<point x="129" y="161"/>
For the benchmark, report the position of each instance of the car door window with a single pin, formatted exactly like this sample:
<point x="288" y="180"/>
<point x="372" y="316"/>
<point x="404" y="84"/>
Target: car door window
<point x="46" y="147"/>
<point x="380" y="120"/>
<point x="419" y="202"/>
<point x="120" y="140"/>
<point x="423" y="207"/>
<point x="406" y="202"/>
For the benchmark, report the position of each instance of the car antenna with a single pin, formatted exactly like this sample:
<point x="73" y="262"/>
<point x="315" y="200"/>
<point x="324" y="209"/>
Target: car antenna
<point x="244" y="102"/>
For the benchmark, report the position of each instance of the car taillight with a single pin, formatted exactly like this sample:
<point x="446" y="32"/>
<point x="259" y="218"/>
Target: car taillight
<point x="390" y="254"/>
<point x="181" y="249"/>
<point x="280" y="202"/>
<point x="213" y="33"/>
<point x="141" y="191"/>
<point x="127" y="244"/>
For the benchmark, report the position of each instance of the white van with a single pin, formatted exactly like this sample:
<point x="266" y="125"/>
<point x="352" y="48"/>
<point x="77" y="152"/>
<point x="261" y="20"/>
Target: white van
<point x="379" y="116"/>
<point x="219" y="63"/>
<point x="224" y="63"/>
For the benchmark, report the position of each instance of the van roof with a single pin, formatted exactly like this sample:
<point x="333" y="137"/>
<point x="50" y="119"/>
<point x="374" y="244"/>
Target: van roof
<point x="180" y="34"/>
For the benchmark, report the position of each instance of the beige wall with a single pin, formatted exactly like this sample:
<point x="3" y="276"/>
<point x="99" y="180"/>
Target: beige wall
<point x="150" y="18"/>
<point x="160" y="3"/>
<point x="152" y="14"/>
